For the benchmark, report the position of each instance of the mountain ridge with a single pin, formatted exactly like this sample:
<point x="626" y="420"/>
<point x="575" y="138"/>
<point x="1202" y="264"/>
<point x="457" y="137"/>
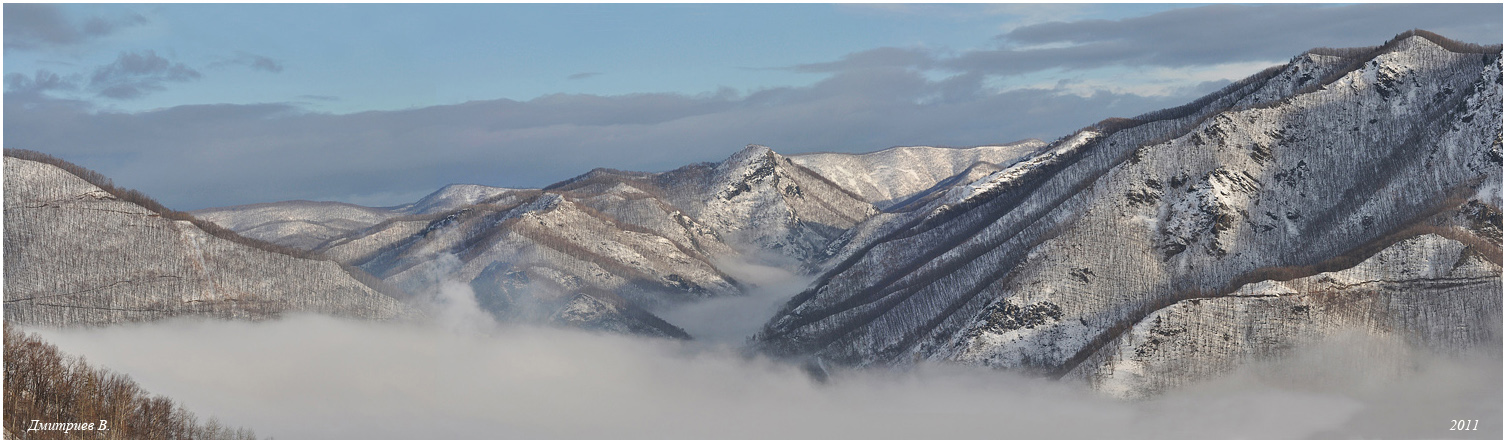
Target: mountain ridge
<point x="126" y="262"/>
<point x="868" y="312"/>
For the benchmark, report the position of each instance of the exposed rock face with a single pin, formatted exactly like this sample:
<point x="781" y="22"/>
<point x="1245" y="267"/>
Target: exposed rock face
<point x="76" y="254"/>
<point x="1044" y="263"/>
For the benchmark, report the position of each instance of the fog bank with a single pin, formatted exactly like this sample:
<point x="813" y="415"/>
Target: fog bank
<point x="316" y="377"/>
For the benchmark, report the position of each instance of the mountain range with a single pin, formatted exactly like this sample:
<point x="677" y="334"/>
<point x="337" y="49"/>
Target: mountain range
<point x="1348" y="190"/>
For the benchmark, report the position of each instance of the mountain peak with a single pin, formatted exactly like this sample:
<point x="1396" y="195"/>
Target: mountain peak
<point x="750" y="154"/>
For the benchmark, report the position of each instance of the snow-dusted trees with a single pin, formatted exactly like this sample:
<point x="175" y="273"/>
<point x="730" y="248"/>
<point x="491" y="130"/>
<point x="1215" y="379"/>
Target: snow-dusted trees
<point x="78" y="253"/>
<point x="139" y="198"/>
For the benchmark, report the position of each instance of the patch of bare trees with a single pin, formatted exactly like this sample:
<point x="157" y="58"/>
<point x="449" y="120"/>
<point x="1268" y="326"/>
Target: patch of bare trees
<point x="1359" y="56"/>
<point x="46" y="390"/>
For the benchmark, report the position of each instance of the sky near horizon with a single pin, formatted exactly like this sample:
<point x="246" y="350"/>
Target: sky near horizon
<point x="204" y="105"/>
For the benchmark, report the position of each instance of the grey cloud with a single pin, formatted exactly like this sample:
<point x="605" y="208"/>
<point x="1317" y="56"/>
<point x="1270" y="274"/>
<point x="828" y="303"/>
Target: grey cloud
<point x="1224" y="34"/>
<point x="321" y="98"/>
<point x="1188" y="37"/>
<point x="133" y="74"/>
<point x="35" y="25"/>
<point x="582" y="75"/>
<point x="40" y="82"/>
<point x="201" y="156"/>
<point x="266" y="64"/>
<point x="1245" y="28"/>
<point x="253" y="61"/>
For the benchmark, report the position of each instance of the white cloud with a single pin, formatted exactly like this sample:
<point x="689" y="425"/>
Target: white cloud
<point x="1145" y="81"/>
<point x="316" y="377"/>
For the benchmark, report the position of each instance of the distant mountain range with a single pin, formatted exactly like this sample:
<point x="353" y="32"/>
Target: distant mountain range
<point x="646" y="239"/>
<point x="1348" y="190"/>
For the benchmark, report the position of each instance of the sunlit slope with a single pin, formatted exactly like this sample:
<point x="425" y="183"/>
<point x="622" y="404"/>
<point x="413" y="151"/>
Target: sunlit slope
<point x="1040" y="265"/>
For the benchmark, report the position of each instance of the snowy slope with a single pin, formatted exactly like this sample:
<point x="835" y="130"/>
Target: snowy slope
<point x="648" y="239"/>
<point x="891" y="176"/>
<point x="298" y="224"/>
<point x="308" y="225"/>
<point x="77" y="254"/>
<point x="1039" y="265"/>
<point x="761" y="202"/>
<point x="454" y="196"/>
<point x="1427" y="290"/>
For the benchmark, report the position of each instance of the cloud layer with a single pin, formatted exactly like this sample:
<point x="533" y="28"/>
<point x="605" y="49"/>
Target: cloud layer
<point x="1198" y="36"/>
<point x="197" y="156"/>
<point x="314" y="377"/>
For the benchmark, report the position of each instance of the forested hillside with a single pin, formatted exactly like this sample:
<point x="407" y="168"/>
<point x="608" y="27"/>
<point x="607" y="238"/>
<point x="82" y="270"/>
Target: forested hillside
<point x="1310" y="167"/>
<point x="51" y="395"/>
<point x="77" y="252"/>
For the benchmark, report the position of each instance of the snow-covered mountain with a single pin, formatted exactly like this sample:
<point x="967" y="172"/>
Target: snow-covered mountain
<point x="616" y="241"/>
<point x="306" y="225"/>
<point x="889" y="177"/>
<point x="454" y="196"/>
<point x="297" y="224"/>
<point x="76" y="253"/>
<point x="621" y="240"/>
<point x="1086" y="258"/>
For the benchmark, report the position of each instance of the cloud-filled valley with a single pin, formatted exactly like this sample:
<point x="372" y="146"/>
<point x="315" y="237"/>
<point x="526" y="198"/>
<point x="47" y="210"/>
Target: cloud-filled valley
<point x="318" y="377"/>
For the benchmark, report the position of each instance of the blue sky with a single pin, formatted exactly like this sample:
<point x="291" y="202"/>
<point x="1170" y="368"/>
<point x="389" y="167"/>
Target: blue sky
<point x="206" y="105"/>
<point x="348" y="58"/>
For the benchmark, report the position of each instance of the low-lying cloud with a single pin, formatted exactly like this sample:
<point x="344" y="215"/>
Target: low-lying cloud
<point x="732" y="320"/>
<point x="309" y="376"/>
